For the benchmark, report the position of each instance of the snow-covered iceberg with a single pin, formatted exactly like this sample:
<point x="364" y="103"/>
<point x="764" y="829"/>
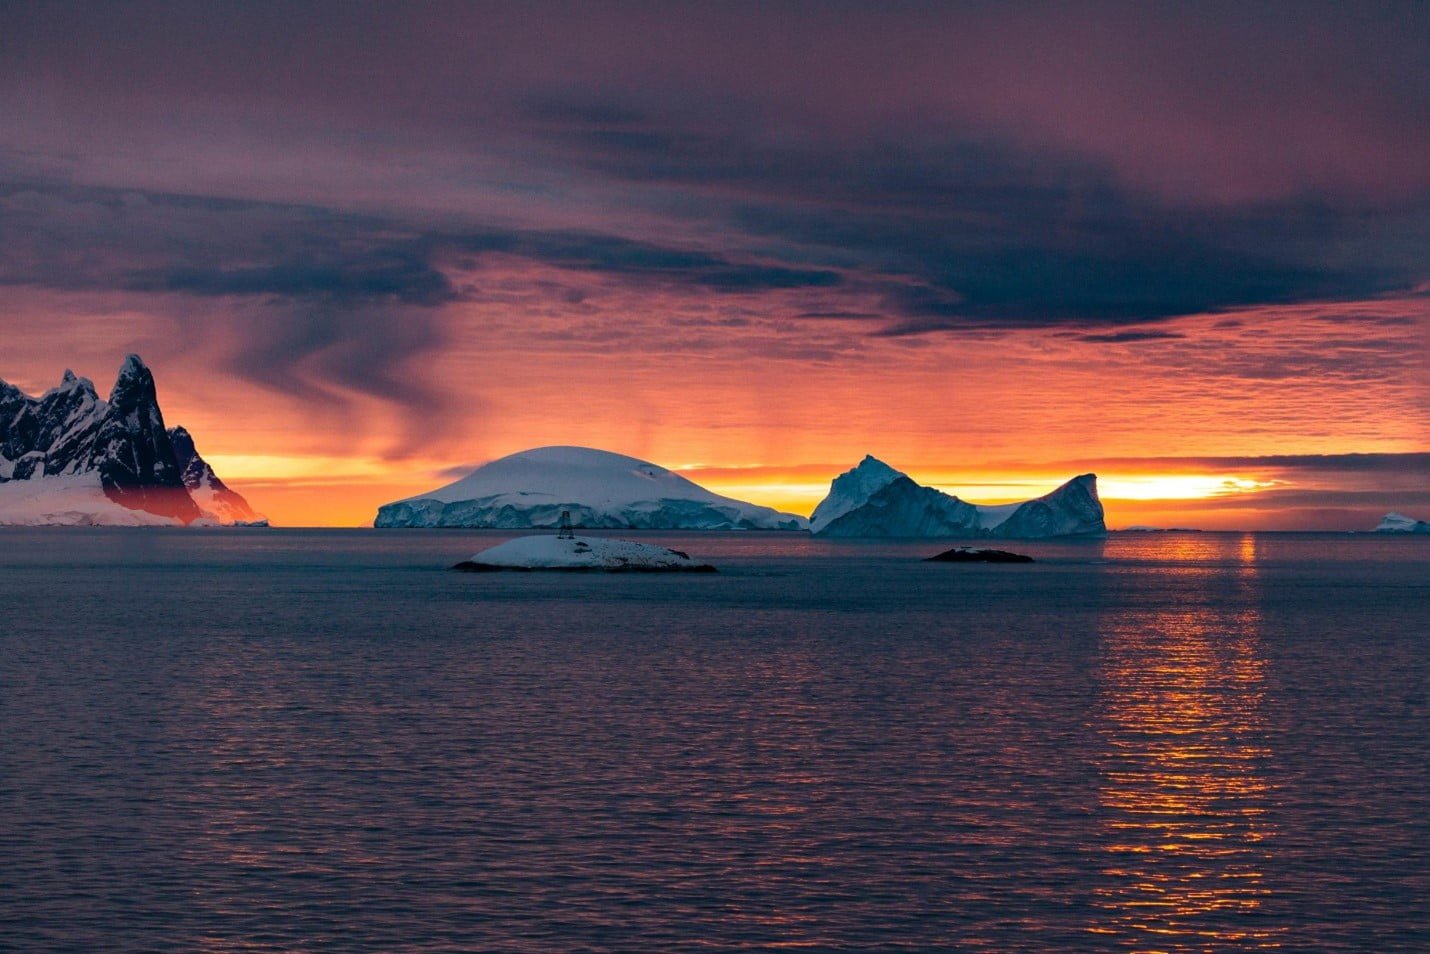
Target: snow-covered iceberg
<point x="601" y="490"/>
<point x="875" y="500"/>
<point x="1400" y="523"/>
<point x="68" y="457"/>
<point x="548" y="552"/>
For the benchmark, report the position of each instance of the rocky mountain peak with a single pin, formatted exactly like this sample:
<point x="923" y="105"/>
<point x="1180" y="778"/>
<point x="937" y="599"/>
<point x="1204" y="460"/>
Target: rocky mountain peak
<point x="121" y="444"/>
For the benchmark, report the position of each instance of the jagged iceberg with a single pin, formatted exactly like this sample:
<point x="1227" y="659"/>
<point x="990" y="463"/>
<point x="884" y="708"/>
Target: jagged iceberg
<point x="1400" y="523"/>
<point x="875" y="500"/>
<point x="601" y="490"/>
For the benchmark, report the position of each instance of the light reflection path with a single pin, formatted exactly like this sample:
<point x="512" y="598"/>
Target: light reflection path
<point x="1188" y="808"/>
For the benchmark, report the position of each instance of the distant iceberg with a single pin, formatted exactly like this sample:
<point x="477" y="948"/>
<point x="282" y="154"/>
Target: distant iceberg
<point x="559" y="552"/>
<point x="1400" y="523"/>
<point x="600" y="489"/>
<point x="875" y="500"/>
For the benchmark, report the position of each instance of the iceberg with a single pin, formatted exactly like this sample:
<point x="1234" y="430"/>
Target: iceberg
<point x="562" y="552"/>
<point x="601" y="490"/>
<point x="875" y="500"/>
<point x="1400" y="523"/>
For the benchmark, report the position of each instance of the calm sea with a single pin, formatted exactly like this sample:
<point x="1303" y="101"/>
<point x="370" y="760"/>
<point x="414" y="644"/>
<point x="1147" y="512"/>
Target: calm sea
<point x="324" y="741"/>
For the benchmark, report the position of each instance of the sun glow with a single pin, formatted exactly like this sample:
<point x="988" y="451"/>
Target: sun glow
<point x="1178" y="486"/>
<point x="276" y="467"/>
<point x="801" y="496"/>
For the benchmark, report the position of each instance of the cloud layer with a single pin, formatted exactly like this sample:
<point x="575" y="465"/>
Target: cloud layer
<point x="342" y="207"/>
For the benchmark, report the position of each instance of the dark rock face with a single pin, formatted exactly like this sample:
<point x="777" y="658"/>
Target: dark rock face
<point x="193" y="469"/>
<point x="52" y="434"/>
<point x="70" y="431"/>
<point x="132" y="451"/>
<point x="978" y="555"/>
<point x="205" y="485"/>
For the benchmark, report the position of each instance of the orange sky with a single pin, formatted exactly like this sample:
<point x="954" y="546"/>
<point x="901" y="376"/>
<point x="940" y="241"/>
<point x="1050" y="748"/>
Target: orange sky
<point x="768" y="417"/>
<point x="994" y="245"/>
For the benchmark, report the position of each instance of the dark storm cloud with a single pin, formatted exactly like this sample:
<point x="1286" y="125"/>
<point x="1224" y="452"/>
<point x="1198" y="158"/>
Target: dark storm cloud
<point x="1130" y="337"/>
<point x="1410" y="464"/>
<point x="383" y="275"/>
<point x="608" y="254"/>
<point x="961" y="234"/>
<point x="109" y="240"/>
<point x="320" y="305"/>
<point x="1091" y="167"/>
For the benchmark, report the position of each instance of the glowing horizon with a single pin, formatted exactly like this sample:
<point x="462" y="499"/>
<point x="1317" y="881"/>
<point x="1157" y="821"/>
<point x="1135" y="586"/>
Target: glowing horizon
<point x="941" y="234"/>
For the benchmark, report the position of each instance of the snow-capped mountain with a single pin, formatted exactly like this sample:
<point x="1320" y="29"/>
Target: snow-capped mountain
<point x="1400" y="523"/>
<point x="212" y="495"/>
<point x="599" y="488"/>
<point x="68" y="457"/>
<point x="875" y="500"/>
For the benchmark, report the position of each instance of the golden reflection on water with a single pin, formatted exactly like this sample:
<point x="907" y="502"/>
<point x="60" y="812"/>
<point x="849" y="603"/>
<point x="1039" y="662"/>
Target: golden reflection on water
<point x="1184" y="790"/>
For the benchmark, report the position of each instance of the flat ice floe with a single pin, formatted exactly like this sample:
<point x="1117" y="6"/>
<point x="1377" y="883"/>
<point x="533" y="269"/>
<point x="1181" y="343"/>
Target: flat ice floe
<point x="548" y="552"/>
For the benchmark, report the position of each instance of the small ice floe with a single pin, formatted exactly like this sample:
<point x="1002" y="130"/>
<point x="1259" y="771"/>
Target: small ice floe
<point x="978" y="555"/>
<point x="547" y="552"/>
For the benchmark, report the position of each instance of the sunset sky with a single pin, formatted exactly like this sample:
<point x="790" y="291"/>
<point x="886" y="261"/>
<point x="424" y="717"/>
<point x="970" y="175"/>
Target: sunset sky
<point x="366" y="247"/>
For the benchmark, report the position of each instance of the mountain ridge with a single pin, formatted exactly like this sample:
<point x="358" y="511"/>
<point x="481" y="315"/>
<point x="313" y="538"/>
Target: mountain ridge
<point x="69" y="456"/>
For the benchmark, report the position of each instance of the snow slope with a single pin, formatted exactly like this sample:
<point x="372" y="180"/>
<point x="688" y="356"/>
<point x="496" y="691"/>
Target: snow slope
<point x="1400" y="523"/>
<point x="73" y="500"/>
<point x="851" y="490"/>
<point x="551" y="552"/>
<point x="599" y="488"/>
<point x="875" y="500"/>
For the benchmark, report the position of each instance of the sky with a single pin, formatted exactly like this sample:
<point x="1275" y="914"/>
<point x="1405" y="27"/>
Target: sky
<point x="366" y="247"/>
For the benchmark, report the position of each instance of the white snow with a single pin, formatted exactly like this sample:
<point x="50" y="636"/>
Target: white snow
<point x="551" y="552"/>
<point x="1400" y="523"/>
<point x="852" y="489"/>
<point x="991" y="515"/>
<point x="601" y="489"/>
<point x="76" y="500"/>
<point x="223" y="507"/>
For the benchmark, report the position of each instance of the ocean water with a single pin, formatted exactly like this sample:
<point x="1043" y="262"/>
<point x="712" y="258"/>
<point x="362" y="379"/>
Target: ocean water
<point x="325" y="741"/>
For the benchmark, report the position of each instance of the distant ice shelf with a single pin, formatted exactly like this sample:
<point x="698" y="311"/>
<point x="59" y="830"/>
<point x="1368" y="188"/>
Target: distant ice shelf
<point x="599" y="489"/>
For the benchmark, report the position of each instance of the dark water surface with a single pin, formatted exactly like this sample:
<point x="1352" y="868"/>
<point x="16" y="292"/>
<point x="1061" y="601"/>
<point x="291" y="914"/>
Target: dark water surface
<point x="321" y="740"/>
